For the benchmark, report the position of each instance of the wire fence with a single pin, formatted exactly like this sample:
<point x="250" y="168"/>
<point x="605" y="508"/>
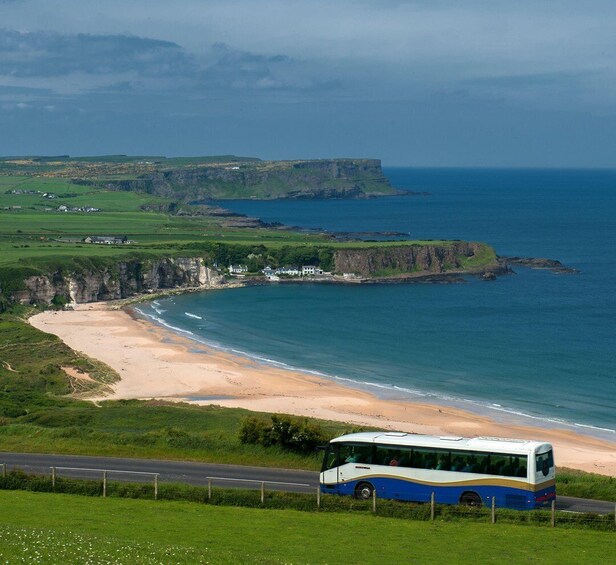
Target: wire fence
<point x="267" y="494"/>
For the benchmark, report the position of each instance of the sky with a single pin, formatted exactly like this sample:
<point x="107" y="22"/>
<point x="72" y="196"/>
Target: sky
<point x="490" y="83"/>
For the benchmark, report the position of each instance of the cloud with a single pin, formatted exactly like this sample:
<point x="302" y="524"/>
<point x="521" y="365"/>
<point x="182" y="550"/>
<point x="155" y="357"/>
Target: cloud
<point x="48" y="54"/>
<point x="116" y="65"/>
<point x="238" y="69"/>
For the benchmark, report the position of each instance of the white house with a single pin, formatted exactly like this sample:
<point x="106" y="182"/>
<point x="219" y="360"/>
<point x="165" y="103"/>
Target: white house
<point x="238" y="269"/>
<point x="311" y="270"/>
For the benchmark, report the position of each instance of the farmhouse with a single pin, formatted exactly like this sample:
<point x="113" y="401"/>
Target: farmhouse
<point x="106" y="240"/>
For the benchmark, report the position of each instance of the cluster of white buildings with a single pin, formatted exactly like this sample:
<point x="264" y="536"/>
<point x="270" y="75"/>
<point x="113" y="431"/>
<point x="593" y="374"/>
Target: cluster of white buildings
<point x="107" y="240"/>
<point x="63" y="208"/>
<point x="304" y="271"/>
<point x="274" y="274"/>
<point x="43" y="194"/>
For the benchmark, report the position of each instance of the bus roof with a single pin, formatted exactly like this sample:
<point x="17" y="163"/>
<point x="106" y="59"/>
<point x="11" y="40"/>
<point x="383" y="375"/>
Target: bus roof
<point x="495" y="444"/>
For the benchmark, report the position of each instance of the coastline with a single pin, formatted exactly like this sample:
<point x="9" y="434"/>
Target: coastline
<point x="154" y="362"/>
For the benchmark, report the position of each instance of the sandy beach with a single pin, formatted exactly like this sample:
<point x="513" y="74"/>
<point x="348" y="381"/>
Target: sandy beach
<point x="156" y="363"/>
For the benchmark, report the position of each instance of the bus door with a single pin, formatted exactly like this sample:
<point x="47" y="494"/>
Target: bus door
<point x="354" y="462"/>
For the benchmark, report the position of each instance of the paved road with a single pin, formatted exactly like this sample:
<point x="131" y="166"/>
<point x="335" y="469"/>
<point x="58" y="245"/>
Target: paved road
<point x="223" y="475"/>
<point x="169" y="471"/>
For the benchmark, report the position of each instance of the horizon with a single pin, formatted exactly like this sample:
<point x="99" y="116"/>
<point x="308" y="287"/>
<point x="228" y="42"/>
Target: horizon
<point x="430" y="84"/>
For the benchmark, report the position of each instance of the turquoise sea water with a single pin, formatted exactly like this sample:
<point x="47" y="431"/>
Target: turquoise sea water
<point x="535" y="343"/>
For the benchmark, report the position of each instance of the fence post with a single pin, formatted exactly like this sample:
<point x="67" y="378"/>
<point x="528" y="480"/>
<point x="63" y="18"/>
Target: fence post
<point x="318" y="497"/>
<point x="553" y="517"/>
<point x="104" y="484"/>
<point x="374" y="501"/>
<point x="262" y="492"/>
<point x="493" y="511"/>
<point x="156" y="486"/>
<point x="4" y="469"/>
<point x="53" y="477"/>
<point x="432" y="506"/>
<point x="209" y="489"/>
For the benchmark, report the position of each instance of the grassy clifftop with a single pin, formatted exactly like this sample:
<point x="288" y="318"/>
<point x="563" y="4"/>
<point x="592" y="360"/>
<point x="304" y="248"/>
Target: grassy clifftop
<point x="206" y="178"/>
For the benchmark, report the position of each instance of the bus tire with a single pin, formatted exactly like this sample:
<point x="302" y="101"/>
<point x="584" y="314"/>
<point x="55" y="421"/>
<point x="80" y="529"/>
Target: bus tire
<point x="470" y="498"/>
<point x="363" y="491"/>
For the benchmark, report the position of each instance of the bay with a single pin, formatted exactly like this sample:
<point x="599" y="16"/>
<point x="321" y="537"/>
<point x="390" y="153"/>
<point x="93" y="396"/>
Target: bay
<point x="534" y="343"/>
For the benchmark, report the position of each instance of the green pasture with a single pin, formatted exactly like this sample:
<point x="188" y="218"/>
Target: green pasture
<point x="52" y="528"/>
<point x="70" y="195"/>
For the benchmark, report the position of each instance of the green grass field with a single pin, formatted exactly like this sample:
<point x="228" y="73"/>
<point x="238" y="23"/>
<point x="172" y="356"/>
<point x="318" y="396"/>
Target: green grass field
<point x="51" y="528"/>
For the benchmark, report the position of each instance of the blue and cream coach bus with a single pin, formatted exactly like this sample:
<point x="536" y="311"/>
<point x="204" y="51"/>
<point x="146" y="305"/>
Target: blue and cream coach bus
<point x="517" y="473"/>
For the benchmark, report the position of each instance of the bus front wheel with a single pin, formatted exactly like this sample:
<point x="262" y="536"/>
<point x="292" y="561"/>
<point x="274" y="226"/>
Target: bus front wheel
<point x="471" y="499"/>
<point x="364" y="491"/>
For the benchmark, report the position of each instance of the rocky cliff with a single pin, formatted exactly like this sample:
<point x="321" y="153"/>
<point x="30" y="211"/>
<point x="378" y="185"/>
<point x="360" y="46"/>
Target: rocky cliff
<point x="126" y="279"/>
<point x="328" y="178"/>
<point x="110" y="281"/>
<point x="418" y="260"/>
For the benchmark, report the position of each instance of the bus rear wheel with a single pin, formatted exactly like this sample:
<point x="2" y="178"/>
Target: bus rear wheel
<point x="471" y="499"/>
<point x="364" y="491"/>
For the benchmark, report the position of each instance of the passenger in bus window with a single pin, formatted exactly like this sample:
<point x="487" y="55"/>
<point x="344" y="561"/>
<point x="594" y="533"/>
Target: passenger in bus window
<point x="458" y="464"/>
<point x="470" y="464"/>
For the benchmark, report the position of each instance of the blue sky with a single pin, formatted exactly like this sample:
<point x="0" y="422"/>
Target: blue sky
<point x="426" y="83"/>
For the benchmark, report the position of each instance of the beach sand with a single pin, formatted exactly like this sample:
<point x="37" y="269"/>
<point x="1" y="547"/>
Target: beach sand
<point x="156" y="363"/>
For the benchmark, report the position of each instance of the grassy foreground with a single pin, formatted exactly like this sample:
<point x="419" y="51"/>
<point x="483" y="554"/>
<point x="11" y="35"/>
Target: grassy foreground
<point x="50" y="528"/>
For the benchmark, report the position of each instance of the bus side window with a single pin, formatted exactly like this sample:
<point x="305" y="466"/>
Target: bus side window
<point x="405" y="456"/>
<point x="497" y="462"/>
<point x="417" y="459"/>
<point x="481" y="466"/>
<point x="355" y="453"/>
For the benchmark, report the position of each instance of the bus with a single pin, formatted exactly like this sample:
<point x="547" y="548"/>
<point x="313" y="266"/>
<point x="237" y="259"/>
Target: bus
<point x="517" y="473"/>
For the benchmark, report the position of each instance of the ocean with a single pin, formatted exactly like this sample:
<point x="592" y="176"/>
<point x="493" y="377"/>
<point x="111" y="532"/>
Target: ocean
<point x="534" y="346"/>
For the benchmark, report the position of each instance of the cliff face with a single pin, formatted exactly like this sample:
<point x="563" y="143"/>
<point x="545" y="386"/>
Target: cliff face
<point x="127" y="279"/>
<point x="133" y="277"/>
<point x="339" y="178"/>
<point x="414" y="259"/>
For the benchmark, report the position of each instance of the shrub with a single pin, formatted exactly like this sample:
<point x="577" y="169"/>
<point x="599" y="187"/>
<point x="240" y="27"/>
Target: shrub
<point x="253" y="430"/>
<point x="59" y="300"/>
<point x="289" y="433"/>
